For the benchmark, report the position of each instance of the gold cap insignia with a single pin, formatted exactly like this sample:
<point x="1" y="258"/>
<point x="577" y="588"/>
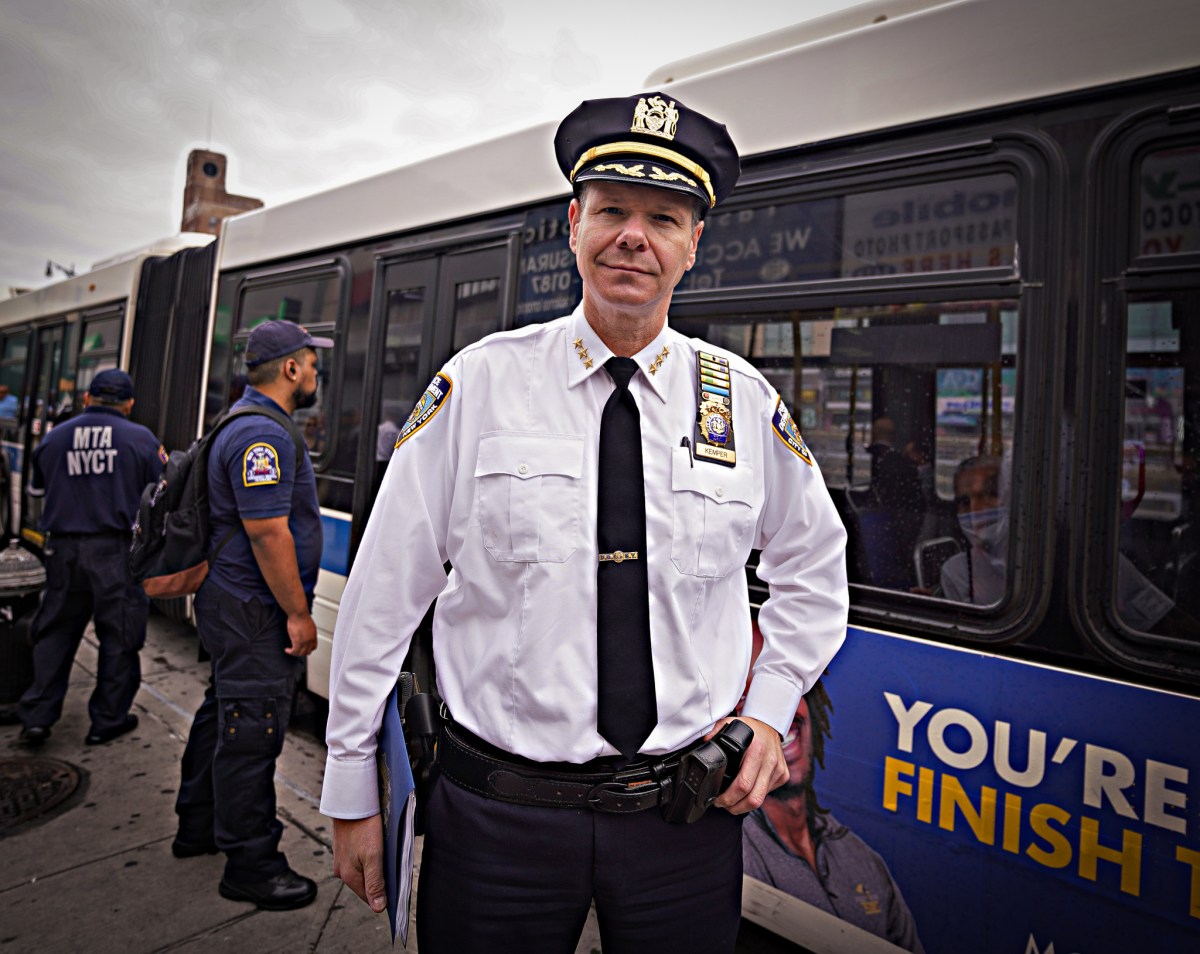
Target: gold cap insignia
<point x="655" y="117"/>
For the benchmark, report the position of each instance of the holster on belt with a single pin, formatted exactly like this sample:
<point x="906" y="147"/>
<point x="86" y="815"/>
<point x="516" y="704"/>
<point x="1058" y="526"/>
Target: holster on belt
<point x="705" y="771"/>
<point x="422" y="715"/>
<point x="682" y="785"/>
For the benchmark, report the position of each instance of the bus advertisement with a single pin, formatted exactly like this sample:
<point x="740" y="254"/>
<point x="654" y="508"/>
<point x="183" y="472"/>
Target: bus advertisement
<point x="1018" y="807"/>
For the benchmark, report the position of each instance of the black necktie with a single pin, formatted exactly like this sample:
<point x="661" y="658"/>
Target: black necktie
<point x="627" y="708"/>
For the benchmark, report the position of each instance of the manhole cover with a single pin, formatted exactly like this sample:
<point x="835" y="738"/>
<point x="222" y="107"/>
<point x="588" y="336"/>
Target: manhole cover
<point x="32" y="788"/>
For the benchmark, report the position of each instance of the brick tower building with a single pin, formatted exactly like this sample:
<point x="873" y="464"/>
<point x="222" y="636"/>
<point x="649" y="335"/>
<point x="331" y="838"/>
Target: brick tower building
<point x="205" y="201"/>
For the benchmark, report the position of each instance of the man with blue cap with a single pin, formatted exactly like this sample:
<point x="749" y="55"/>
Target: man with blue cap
<point x="91" y="471"/>
<point x="596" y="484"/>
<point x="254" y="617"/>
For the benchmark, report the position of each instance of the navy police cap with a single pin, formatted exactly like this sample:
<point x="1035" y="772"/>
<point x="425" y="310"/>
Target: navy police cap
<point x="114" y="384"/>
<point x="274" y="339"/>
<point x="648" y="139"/>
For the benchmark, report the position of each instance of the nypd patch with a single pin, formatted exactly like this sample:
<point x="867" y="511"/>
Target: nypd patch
<point x="787" y="431"/>
<point x="260" y="465"/>
<point x="431" y="402"/>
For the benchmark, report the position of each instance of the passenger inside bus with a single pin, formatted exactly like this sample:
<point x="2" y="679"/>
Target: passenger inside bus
<point x="391" y="414"/>
<point x="976" y="575"/>
<point x="8" y="402"/>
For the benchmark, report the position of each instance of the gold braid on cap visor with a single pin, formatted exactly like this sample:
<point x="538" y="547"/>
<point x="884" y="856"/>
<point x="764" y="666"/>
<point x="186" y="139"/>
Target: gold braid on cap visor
<point x="655" y="152"/>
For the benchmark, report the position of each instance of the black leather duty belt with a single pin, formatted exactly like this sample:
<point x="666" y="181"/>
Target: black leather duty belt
<point x="634" y="788"/>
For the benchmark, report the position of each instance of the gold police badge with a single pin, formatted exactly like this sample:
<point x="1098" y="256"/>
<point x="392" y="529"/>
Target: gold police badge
<point x="716" y="423"/>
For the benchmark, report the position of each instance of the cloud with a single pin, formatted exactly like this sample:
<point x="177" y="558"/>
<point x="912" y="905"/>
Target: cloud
<point x="101" y="100"/>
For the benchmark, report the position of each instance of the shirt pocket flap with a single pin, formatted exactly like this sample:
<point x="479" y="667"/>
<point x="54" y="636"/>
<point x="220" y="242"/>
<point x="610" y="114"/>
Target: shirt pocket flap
<point x="529" y="455"/>
<point x="719" y="484"/>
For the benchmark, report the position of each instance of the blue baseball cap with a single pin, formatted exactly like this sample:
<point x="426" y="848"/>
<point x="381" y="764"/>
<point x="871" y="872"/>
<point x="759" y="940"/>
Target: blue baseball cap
<point x="113" y="384"/>
<point x="274" y="339"/>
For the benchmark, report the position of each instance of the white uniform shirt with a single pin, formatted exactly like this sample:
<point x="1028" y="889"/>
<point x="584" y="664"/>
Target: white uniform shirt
<point x="500" y="480"/>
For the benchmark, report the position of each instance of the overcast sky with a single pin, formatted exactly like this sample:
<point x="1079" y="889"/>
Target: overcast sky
<point x="101" y="100"/>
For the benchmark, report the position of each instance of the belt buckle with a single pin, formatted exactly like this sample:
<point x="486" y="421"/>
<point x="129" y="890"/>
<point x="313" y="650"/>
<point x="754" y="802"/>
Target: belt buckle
<point x="621" y="794"/>
<point x="621" y="797"/>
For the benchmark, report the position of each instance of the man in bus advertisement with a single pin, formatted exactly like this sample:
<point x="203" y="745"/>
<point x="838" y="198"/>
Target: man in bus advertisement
<point x="794" y="843"/>
<point x="596" y="483"/>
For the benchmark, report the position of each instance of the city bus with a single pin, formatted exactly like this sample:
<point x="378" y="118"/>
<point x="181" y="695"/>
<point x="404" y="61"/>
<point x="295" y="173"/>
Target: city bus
<point x="146" y="311"/>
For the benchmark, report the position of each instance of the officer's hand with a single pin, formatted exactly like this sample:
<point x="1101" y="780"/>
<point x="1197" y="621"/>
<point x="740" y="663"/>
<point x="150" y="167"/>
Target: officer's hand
<point x="358" y="858"/>
<point x="763" y="768"/>
<point x="302" y="632"/>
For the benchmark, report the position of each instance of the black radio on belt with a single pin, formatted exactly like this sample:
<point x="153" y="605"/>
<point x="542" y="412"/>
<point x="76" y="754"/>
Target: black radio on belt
<point x="705" y="772"/>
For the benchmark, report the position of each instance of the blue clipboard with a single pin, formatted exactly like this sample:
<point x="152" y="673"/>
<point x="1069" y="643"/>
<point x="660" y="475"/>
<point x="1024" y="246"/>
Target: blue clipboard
<point x="397" y="805"/>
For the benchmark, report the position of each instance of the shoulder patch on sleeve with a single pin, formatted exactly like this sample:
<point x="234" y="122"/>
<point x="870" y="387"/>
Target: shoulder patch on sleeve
<point x="787" y="431"/>
<point x="260" y="465"/>
<point x="430" y="403"/>
<point x="162" y="454"/>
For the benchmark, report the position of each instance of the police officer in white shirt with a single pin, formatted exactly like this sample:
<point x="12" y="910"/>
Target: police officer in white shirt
<point x="571" y="708"/>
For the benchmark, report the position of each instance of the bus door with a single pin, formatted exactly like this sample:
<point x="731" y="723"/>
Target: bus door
<point x="426" y="310"/>
<point x="404" y="317"/>
<point x="49" y="398"/>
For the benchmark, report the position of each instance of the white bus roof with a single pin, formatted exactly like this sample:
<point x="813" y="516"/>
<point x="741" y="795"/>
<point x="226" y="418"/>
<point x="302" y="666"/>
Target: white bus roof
<point x="111" y="280"/>
<point x="862" y="14"/>
<point x="835" y="77"/>
<point x="164" y="246"/>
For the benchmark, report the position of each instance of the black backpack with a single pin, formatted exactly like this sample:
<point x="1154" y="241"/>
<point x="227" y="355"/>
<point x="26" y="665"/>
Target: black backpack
<point x="170" y="555"/>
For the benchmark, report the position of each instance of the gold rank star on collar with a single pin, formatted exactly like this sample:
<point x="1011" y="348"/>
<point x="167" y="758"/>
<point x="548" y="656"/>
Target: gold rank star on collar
<point x="583" y="354"/>
<point x="657" y="362"/>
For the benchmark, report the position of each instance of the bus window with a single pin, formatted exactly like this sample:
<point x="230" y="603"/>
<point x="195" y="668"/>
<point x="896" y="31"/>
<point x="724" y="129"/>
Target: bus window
<point x="1170" y="209"/>
<point x="952" y="225"/>
<point x="400" y="381"/>
<point x="309" y="301"/>
<point x="14" y="353"/>
<point x="408" y="306"/>
<point x="910" y="413"/>
<point x="99" y="347"/>
<point x="477" y="310"/>
<point x="1156" y="585"/>
<point x="49" y="387"/>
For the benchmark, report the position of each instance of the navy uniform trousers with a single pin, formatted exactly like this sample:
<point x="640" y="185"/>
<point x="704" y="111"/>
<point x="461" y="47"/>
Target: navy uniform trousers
<point x="227" y="792"/>
<point x="87" y="577"/>
<point x="498" y="877"/>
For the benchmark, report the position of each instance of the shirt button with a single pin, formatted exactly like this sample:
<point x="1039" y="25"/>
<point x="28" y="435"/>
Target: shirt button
<point x="523" y="469"/>
<point x="720" y="491"/>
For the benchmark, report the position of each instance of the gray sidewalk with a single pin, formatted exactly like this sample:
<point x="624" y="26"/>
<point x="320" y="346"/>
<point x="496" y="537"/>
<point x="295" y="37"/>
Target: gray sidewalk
<point x="98" y="876"/>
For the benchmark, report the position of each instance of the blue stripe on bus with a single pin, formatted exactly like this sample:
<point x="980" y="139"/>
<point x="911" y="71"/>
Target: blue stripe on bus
<point x="335" y="554"/>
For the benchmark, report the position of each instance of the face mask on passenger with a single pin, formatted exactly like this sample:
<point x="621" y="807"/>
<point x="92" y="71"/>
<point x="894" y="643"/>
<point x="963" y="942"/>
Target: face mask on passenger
<point x="985" y="529"/>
